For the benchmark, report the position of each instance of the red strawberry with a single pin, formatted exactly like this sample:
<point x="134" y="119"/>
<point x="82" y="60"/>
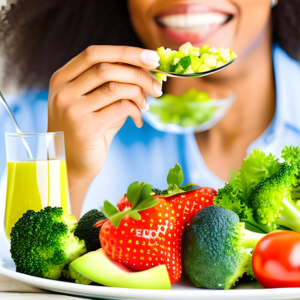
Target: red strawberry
<point x="123" y="203"/>
<point x="156" y="236"/>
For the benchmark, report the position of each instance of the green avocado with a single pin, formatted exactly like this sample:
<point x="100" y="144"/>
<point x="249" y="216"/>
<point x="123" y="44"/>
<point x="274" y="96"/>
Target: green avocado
<point x="98" y="267"/>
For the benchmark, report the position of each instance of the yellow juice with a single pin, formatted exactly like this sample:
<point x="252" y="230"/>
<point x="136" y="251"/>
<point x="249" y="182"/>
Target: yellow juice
<point x="34" y="185"/>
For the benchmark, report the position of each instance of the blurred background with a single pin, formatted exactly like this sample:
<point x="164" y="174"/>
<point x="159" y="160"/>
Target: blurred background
<point x="5" y="3"/>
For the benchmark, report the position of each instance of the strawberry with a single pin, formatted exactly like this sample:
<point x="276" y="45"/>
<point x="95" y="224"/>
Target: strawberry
<point x="123" y="203"/>
<point x="147" y="230"/>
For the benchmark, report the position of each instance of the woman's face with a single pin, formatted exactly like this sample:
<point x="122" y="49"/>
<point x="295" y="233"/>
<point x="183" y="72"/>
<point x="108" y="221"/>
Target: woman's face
<point x="237" y="24"/>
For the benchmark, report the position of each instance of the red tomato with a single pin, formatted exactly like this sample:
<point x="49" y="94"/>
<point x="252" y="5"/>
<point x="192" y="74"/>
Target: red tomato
<point x="276" y="260"/>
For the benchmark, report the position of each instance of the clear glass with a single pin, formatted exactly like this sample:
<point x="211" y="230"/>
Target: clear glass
<point x="35" y="178"/>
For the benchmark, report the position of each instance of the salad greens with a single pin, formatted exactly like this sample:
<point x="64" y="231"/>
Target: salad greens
<point x="262" y="192"/>
<point x="190" y="109"/>
<point x="189" y="59"/>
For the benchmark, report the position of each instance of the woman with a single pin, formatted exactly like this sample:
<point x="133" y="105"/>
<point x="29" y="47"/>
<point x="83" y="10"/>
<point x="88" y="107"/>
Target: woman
<point x="91" y="96"/>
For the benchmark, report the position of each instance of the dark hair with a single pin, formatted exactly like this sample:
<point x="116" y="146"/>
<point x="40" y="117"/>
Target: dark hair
<point x="39" y="37"/>
<point x="286" y="26"/>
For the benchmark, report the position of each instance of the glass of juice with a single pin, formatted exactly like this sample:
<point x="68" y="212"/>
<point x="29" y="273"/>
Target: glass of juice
<point x="36" y="174"/>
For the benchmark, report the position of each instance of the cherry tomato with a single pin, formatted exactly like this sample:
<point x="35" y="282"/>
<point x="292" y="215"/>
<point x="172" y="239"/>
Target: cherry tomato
<point x="276" y="260"/>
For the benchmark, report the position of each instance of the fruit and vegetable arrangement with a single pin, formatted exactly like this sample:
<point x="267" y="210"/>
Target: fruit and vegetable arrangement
<point x="190" y="109"/>
<point x="248" y="229"/>
<point x="189" y="59"/>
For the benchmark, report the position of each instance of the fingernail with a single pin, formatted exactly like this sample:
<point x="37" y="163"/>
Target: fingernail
<point x="145" y="105"/>
<point x="150" y="58"/>
<point x="157" y="88"/>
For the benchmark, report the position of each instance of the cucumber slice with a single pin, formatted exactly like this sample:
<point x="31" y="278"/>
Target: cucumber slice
<point x="191" y="59"/>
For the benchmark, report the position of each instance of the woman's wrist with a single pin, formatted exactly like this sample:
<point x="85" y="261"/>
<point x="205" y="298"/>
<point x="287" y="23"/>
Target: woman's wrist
<point x="78" y="187"/>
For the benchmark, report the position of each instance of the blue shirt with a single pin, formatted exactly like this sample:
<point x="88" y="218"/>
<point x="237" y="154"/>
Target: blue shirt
<point x="147" y="154"/>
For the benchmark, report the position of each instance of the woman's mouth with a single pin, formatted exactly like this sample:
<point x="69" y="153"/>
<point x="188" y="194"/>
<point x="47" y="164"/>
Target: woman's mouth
<point x="191" y="23"/>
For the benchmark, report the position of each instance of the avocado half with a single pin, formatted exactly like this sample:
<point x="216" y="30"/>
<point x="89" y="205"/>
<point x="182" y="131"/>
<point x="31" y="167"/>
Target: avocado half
<point x="100" y="268"/>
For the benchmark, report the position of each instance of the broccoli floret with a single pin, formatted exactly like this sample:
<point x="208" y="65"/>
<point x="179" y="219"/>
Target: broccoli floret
<point x="43" y="242"/>
<point x="217" y="248"/>
<point x="295" y="193"/>
<point x="86" y="230"/>
<point x="272" y="203"/>
<point x="264" y="193"/>
<point x="71" y="275"/>
<point x="230" y="198"/>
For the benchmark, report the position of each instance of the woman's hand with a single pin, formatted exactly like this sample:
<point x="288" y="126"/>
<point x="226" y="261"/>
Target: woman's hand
<point x="90" y="99"/>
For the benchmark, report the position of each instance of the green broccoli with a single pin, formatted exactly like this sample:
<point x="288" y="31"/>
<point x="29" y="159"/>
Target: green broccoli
<point x="43" y="242"/>
<point x="295" y="193"/>
<point x="230" y="198"/>
<point x="86" y="230"/>
<point x="262" y="193"/>
<point x="272" y="203"/>
<point x="217" y="249"/>
<point x="71" y="275"/>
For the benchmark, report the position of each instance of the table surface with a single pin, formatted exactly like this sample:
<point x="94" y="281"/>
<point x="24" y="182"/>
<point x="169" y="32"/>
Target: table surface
<point x="36" y="296"/>
<point x="13" y="289"/>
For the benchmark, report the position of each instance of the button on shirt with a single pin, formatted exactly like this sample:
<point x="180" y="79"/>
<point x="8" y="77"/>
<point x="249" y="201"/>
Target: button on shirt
<point x="147" y="155"/>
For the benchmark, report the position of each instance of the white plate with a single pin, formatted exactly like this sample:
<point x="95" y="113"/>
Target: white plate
<point x="222" y="107"/>
<point x="181" y="291"/>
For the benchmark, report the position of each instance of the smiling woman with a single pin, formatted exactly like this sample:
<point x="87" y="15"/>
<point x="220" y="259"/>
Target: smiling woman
<point x="44" y="32"/>
<point x="91" y="95"/>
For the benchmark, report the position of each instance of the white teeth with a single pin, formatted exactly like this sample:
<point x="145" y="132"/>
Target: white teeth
<point x="193" y="20"/>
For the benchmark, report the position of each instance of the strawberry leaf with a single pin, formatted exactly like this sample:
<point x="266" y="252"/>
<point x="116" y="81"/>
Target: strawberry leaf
<point x="145" y="204"/>
<point x="190" y="187"/>
<point x="174" y="179"/>
<point x="146" y="191"/>
<point x="117" y="218"/>
<point x="134" y="192"/>
<point x="172" y="191"/>
<point x="108" y="209"/>
<point x="183" y="189"/>
<point x="134" y="215"/>
<point x="175" y="176"/>
<point x="139" y="194"/>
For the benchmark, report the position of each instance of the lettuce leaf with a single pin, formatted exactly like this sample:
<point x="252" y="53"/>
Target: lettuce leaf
<point x="254" y="169"/>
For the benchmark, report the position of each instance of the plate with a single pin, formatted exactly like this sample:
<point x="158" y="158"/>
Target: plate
<point x="222" y="107"/>
<point x="181" y="290"/>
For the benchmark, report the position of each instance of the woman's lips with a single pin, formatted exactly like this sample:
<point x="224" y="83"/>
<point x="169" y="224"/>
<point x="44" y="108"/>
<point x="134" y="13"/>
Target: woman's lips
<point x="191" y="23"/>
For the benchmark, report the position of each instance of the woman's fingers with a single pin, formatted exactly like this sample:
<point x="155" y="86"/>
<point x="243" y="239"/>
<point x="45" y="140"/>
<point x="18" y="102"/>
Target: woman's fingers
<point x="111" y="54"/>
<point x="114" y="115"/>
<point x="112" y="92"/>
<point x="107" y="72"/>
